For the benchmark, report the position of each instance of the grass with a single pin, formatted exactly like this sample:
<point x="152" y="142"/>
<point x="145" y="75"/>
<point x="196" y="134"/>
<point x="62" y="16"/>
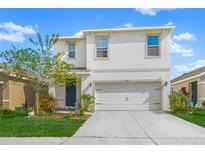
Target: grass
<point x="38" y="126"/>
<point x="197" y="116"/>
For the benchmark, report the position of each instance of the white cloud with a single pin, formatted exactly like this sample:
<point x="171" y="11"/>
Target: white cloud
<point x="184" y="50"/>
<point x="78" y="33"/>
<point x="15" y="33"/>
<point x="185" y="36"/>
<point x="190" y="66"/>
<point x="13" y="37"/>
<point x="170" y="23"/>
<point x="127" y="25"/>
<point x="151" y="11"/>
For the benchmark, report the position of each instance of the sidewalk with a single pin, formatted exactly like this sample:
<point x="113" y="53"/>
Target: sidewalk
<point x="32" y="140"/>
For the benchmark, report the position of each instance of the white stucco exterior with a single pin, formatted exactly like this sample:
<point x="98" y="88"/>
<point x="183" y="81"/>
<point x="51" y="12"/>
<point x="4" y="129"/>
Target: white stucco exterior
<point x="126" y="61"/>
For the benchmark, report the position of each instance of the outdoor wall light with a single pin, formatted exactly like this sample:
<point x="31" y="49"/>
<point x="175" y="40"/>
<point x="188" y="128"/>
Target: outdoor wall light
<point x="165" y="83"/>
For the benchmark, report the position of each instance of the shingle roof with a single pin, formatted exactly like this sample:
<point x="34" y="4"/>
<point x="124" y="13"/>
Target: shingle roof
<point x="189" y="74"/>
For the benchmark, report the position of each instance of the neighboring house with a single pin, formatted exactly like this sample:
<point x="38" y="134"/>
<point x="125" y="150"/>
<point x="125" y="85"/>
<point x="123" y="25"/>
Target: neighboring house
<point x="15" y="94"/>
<point x="194" y="82"/>
<point x="123" y="68"/>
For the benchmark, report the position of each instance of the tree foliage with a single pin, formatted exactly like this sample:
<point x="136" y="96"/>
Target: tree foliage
<point x="37" y="65"/>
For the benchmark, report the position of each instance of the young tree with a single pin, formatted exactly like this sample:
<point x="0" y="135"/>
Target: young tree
<point x="37" y="65"/>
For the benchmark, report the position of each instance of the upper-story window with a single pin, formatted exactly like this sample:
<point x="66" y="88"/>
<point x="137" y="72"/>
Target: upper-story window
<point x="101" y="47"/>
<point x="153" y="45"/>
<point x="71" y="50"/>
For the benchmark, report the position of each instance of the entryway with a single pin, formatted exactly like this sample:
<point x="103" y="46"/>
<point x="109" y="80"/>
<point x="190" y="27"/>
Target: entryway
<point x="71" y="95"/>
<point x="194" y="92"/>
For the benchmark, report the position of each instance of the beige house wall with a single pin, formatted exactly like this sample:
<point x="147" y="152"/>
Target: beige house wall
<point x="17" y="95"/>
<point x="5" y="92"/>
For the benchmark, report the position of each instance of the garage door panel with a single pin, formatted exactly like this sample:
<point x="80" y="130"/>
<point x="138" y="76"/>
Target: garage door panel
<point x="128" y="96"/>
<point x="110" y="100"/>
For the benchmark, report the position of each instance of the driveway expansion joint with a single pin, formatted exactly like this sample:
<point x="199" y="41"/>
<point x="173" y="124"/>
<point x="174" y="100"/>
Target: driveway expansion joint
<point x="143" y="129"/>
<point x="64" y="140"/>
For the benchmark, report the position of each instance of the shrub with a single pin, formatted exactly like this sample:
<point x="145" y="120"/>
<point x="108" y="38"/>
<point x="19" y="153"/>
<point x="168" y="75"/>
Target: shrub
<point x="31" y="109"/>
<point x="81" y="112"/>
<point x="42" y="113"/>
<point x="7" y="113"/>
<point x="203" y="103"/>
<point x="47" y="103"/>
<point x="86" y="100"/>
<point x="178" y="102"/>
<point x="184" y="91"/>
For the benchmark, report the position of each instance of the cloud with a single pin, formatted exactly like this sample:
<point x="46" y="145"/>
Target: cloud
<point x="78" y="33"/>
<point x="185" y="36"/>
<point x="152" y="11"/>
<point x="184" y="50"/>
<point x="127" y="25"/>
<point x="13" y="37"/>
<point x="10" y="31"/>
<point x="170" y="23"/>
<point x="187" y="67"/>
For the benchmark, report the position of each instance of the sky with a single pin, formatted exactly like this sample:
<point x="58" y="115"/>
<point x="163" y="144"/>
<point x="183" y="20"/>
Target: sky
<point x="187" y="40"/>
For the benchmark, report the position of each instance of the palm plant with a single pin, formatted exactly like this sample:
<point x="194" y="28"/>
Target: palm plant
<point x="86" y="101"/>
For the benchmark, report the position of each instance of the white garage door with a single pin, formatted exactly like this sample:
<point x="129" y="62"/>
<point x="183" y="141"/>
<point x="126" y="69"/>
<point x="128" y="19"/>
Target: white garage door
<point x="127" y="96"/>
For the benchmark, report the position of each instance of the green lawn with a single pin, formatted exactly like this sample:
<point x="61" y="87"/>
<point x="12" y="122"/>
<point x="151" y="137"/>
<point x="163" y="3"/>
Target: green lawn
<point x="38" y="126"/>
<point x="197" y="116"/>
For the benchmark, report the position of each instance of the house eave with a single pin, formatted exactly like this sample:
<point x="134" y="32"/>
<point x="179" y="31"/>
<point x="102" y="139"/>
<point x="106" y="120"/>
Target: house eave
<point x="187" y="79"/>
<point x="129" y="29"/>
<point x="122" y="29"/>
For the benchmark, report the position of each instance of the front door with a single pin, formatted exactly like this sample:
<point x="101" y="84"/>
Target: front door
<point x="194" y="92"/>
<point x="70" y="95"/>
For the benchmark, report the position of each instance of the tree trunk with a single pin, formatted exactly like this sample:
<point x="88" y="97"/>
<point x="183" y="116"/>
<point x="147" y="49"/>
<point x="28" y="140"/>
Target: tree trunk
<point x="37" y="102"/>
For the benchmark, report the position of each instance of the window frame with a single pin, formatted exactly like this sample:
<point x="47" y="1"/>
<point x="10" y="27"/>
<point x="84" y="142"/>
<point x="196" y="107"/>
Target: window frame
<point x="159" y="45"/>
<point x="101" y="58"/>
<point x="72" y="52"/>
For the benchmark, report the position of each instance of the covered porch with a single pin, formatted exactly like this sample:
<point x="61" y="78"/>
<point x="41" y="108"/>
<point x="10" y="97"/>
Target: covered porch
<point x="67" y="96"/>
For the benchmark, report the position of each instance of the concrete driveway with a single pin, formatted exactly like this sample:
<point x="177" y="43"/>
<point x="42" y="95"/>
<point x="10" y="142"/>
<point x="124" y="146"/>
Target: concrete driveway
<point x="137" y="127"/>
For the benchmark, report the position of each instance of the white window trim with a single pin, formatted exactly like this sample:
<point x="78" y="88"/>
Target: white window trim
<point x="146" y="46"/>
<point x="69" y="51"/>
<point x="95" y="53"/>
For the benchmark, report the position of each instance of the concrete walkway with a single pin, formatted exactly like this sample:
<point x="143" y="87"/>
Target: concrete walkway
<point x="32" y="140"/>
<point x="126" y="127"/>
<point x="137" y="127"/>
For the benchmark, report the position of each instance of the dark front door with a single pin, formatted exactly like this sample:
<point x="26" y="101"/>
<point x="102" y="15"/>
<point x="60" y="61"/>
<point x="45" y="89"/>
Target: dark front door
<point x="194" y="92"/>
<point x="70" y="95"/>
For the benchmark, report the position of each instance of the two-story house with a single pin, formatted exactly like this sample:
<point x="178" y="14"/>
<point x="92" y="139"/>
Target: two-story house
<point x="123" y="68"/>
